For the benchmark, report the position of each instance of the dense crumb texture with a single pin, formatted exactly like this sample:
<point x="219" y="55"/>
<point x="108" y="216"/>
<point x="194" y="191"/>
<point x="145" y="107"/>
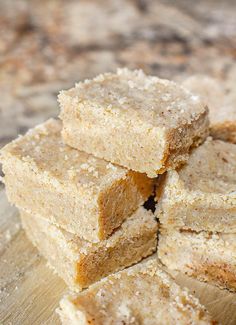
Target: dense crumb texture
<point x="208" y="257"/>
<point x="141" y="122"/>
<point x="142" y="294"/>
<point x="83" y="194"/>
<point x="221" y="99"/>
<point x="202" y="194"/>
<point x="81" y="263"/>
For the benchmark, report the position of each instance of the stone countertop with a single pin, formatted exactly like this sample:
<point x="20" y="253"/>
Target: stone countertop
<point x="47" y="45"/>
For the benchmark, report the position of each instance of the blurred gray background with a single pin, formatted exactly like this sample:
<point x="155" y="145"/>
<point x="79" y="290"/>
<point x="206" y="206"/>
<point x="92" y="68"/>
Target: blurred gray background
<point x="47" y="45"/>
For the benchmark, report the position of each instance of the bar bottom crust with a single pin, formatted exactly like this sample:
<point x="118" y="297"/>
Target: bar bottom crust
<point x="225" y="131"/>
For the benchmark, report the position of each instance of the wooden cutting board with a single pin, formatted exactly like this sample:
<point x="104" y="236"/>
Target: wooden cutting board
<point x="30" y="292"/>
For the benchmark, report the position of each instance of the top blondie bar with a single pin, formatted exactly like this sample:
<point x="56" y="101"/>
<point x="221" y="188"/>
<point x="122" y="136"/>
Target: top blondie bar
<point x="137" y="121"/>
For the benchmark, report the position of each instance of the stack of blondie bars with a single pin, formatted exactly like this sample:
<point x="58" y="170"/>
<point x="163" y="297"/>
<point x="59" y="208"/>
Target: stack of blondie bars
<point x="80" y="184"/>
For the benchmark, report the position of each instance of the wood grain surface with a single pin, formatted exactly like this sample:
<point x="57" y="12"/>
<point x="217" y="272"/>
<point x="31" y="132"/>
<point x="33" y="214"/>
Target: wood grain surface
<point x="30" y="291"/>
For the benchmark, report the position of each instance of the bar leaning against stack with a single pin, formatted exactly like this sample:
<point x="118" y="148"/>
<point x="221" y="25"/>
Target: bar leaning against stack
<point x="142" y="294"/>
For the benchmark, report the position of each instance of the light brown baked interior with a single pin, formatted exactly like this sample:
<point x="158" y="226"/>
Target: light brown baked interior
<point x="81" y="263"/>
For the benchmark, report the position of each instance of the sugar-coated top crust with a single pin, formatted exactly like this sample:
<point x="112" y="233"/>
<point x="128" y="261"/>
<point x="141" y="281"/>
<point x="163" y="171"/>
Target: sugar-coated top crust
<point x="142" y="294"/>
<point x="211" y="168"/>
<point x="43" y="149"/>
<point x="137" y="96"/>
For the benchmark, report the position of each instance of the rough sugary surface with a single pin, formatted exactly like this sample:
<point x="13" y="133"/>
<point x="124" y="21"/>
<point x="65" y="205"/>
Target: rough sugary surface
<point x="202" y="194"/>
<point x="221" y="99"/>
<point x="141" y="122"/>
<point x="81" y="263"/>
<point x="83" y="194"/>
<point x="142" y="294"/>
<point x="208" y="257"/>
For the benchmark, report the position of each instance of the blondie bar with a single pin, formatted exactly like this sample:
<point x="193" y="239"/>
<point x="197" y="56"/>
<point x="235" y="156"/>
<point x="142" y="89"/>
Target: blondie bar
<point x="137" y="121"/>
<point x="202" y="194"/>
<point x="221" y="100"/>
<point x="81" y="263"/>
<point x="206" y="256"/>
<point x="142" y="294"/>
<point x="83" y="194"/>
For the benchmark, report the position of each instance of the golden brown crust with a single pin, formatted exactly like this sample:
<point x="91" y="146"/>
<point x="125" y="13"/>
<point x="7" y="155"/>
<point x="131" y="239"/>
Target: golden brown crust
<point x="219" y="273"/>
<point x="225" y="131"/>
<point x="160" y="186"/>
<point x="176" y="153"/>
